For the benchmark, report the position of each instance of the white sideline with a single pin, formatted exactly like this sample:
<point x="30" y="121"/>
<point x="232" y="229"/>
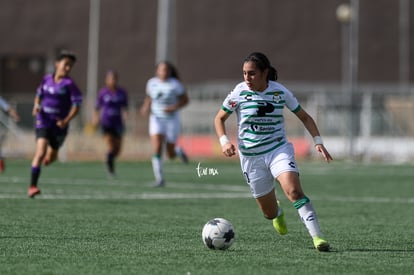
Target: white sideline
<point x="228" y="192"/>
<point x="125" y="183"/>
<point x="142" y="196"/>
<point x="169" y="196"/>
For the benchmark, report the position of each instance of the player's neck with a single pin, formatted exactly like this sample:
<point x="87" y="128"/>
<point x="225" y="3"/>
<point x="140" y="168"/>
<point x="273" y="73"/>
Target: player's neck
<point x="262" y="88"/>
<point x="58" y="78"/>
<point x="112" y="89"/>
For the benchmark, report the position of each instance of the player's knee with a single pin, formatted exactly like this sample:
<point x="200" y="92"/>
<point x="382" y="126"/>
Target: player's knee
<point x="295" y="195"/>
<point x="39" y="155"/>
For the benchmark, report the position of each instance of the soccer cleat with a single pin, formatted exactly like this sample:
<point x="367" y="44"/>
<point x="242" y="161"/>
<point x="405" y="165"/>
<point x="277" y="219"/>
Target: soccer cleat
<point x="111" y="176"/>
<point x="33" y="191"/>
<point x="279" y="222"/>
<point x="320" y="244"/>
<point x="160" y="183"/>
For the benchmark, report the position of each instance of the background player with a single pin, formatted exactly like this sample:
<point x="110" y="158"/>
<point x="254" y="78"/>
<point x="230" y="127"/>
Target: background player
<point x="10" y="111"/>
<point x="111" y="111"/>
<point x="56" y="103"/>
<point x="165" y="97"/>
<point x="264" y="151"/>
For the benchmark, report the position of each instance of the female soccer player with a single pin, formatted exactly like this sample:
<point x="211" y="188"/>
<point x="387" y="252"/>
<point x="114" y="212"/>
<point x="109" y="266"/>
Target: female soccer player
<point x="265" y="154"/>
<point x="165" y="97"/>
<point x="57" y="102"/>
<point x="113" y="101"/>
<point x="10" y="111"/>
<point x="6" y="108"/>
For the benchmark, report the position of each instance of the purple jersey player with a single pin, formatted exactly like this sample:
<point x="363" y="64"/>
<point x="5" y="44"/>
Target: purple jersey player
<point x="56" y="103"/>
<point x="110" y="112"/>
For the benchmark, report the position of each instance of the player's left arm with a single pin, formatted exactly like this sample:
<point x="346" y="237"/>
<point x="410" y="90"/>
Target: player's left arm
<point x="312" y="128"/>
<point x="74" y="110"/>
<point x="125" y="113"/>
<point x="76" y="99"/>
<point x="183" y="100"/>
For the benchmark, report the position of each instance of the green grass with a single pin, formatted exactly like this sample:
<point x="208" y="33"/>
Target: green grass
<point x="84" y="223"/>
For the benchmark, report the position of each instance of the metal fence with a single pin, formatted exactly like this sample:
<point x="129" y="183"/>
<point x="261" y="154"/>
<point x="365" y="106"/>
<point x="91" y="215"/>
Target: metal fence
<point x="375" y="122"/>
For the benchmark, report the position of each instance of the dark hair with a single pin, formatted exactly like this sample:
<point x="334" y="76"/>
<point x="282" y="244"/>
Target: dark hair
<point x="112" y="72"/>
<point x="171" y="68"/>
<point x="262" y="63"/>
<point x="66" y="54"/>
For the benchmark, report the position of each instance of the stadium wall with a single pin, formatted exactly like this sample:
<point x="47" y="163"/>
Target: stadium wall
<point x="379" y="121"/>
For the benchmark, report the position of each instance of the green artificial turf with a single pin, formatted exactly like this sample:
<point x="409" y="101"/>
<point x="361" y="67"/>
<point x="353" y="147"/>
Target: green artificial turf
<point x="85" y="223"/>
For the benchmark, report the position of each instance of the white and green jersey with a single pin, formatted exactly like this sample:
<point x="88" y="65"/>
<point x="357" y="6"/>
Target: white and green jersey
<point x="260" y="116"/>
<point x="163" y="94"/>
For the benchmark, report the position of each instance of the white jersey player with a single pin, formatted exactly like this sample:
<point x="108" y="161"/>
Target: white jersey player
<point x="7" y="109"/>
<point x="265" y="153"/>
<point x="165" y="97"/>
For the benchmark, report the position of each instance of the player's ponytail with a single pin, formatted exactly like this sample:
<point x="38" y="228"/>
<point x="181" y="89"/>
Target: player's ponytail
<point x="272" y="75"/>
<point x="262" y="63"/>
<point x="173" y="72"/>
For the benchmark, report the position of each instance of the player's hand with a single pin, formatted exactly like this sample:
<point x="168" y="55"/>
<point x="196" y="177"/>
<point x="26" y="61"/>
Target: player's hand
<point x="61" y="123"/>
<point x="144" y="111"/>
<point x="36" y="109"/>
<point x="228" y="150"/>
<point x="95" y="122"/>
<point x="322" y="150"/>
<point x="170" y="109"/>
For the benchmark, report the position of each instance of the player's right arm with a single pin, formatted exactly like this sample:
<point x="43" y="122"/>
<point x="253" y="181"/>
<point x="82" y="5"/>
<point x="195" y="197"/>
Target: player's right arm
<point x="36" y="105"/>
<point x="97" y="111"/>
<point x="145" y="108"/>
<point x="95" y="117"/>
<point x="227" y="147"/>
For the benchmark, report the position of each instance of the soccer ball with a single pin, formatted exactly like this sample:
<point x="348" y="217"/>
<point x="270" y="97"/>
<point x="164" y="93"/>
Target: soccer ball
<point x="218" y="233"/>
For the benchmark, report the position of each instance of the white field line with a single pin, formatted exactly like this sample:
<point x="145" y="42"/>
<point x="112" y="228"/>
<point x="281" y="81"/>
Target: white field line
<point x="128" y="183"/>
<point x="59" y="195"/>
<point x="228" y="192"/>
<point x="349" y="199"/>
<point x="138" y="196"/>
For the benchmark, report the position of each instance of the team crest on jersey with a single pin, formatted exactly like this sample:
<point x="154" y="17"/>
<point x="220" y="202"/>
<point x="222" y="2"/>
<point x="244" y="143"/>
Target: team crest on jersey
<point x="277" y="97"/>
<point x="62" y="91"/>
<point x="49" y="89"/>
<point x="232" y="103"/>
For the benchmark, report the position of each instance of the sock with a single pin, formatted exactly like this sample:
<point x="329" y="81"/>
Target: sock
<point x="180" y="153"/>
<point x="157" y="168"/>
<point x="279" y="211"/>
<point x="110" y="162"/>
<point x="308" y="216"/>
<point x="34" y="176"/>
